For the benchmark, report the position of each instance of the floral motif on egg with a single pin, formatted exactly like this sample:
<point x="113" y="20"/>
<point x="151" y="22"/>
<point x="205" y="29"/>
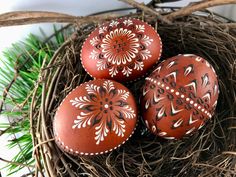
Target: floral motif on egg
<point x="104" y="107"/>
<point x="121" y="43"/>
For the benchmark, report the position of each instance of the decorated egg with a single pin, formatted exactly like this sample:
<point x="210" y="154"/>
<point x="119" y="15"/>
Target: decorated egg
<point x="179" y="96"/>
<point x="122" y="50"/>
<point x="95" y="118"/>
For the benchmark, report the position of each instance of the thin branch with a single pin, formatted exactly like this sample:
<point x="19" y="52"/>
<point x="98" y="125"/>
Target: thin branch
<point x="16" y="163"/>
<point x="12" y="124"/>
<point x="229" y="153"/>
<point x="31" y="17"/>
<point x="214" y="167"/>
<point x="28" y="174"/>
<point x="20" y="148"/>
<point x="33" y="14"/>
<point x="229" y="25"/>
<point x="197" y="6"/>
<point x="41" y="143"/>
<point x="7" y="88"/>
<point x="147" y="10"/>
<point x="17" y="68"/>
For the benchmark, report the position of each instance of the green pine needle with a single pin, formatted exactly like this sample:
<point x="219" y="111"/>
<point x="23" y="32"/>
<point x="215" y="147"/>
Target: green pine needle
<point x="28" y="56"/>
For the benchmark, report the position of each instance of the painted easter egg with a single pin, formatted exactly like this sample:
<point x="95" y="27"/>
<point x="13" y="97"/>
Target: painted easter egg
<point x="121" y="50"/>
<point x="179" y="96"/>
<point x="95" y="118"/>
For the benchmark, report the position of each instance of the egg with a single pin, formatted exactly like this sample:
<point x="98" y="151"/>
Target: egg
<point x="95" y="118"/>
<point x="122" y="50"/>
<point x="179" y="96"/>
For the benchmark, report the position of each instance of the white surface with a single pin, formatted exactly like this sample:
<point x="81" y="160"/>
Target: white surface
<point x="9" y="35"/>
<point x="228" y="11"/>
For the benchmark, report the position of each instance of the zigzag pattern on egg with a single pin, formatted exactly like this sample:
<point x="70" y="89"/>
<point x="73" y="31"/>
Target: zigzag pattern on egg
<point x="179" y="96"/>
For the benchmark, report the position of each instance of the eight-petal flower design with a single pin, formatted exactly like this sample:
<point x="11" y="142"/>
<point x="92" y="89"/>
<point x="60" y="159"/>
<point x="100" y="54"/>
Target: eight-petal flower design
<point x="121" y="47"/>
<point x="104" y="107"/>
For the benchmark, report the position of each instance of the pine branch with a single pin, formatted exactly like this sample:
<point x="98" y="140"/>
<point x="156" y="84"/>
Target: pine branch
<point x="12" y="124"/>
<point x="8" y="87"/>
<point x="24" y="58"/>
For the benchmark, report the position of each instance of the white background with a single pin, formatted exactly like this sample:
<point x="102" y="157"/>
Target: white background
<point x="9" y="35"/>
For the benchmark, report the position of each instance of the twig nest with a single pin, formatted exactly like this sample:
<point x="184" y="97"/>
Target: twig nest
<point x="179" y="96"/>
<point x="122" y="50"/>
<point x="95" y="118"/>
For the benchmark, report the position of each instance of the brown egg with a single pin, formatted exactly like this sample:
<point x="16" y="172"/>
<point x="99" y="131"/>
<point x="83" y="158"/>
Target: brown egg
<point x="179" y="96"/>
<point x="95" y="118"/>
<point x="122" y="50"/>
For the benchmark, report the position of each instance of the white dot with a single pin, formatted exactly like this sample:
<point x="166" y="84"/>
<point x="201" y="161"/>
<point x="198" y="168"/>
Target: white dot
<point x="153" y="128"/>
<point x="167" y="88"/>
<point x="182" y="96"/>
<point x="106" y="106"/>
<point x="177" y="93"/>
<point x="203" y="109"/>
<point x="155" y="82"/>
<point x="191" y="102"/>
<point x="195" y="104"/>
<point x="162" y="85"/>
<point x="205" y="112"/>
<point x="199" y="107"/>
<point x="158" y="83"/>
<point x="172" y="90"/>
<point x="162" y="133"/>
<point x="187" y="99"/>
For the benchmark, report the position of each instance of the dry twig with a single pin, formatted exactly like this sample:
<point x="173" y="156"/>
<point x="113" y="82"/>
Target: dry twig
<point x="197" y="6"/>
<point x="30" y="17"/>
<point x="15" y="163"/>
<point x="147" y="10"/>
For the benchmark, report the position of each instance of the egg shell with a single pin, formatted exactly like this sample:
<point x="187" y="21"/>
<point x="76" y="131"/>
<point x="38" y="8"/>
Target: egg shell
<point x="179" y="96"/>
<point x="95" y="118"/>
<point x="122" y="50"/>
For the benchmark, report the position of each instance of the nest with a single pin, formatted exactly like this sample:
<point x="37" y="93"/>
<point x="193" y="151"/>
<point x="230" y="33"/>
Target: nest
<point x="209" y="152"/>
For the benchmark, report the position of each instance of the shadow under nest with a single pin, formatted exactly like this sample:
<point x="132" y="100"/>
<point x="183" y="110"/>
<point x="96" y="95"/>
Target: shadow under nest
<point x="209" y="152"/>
